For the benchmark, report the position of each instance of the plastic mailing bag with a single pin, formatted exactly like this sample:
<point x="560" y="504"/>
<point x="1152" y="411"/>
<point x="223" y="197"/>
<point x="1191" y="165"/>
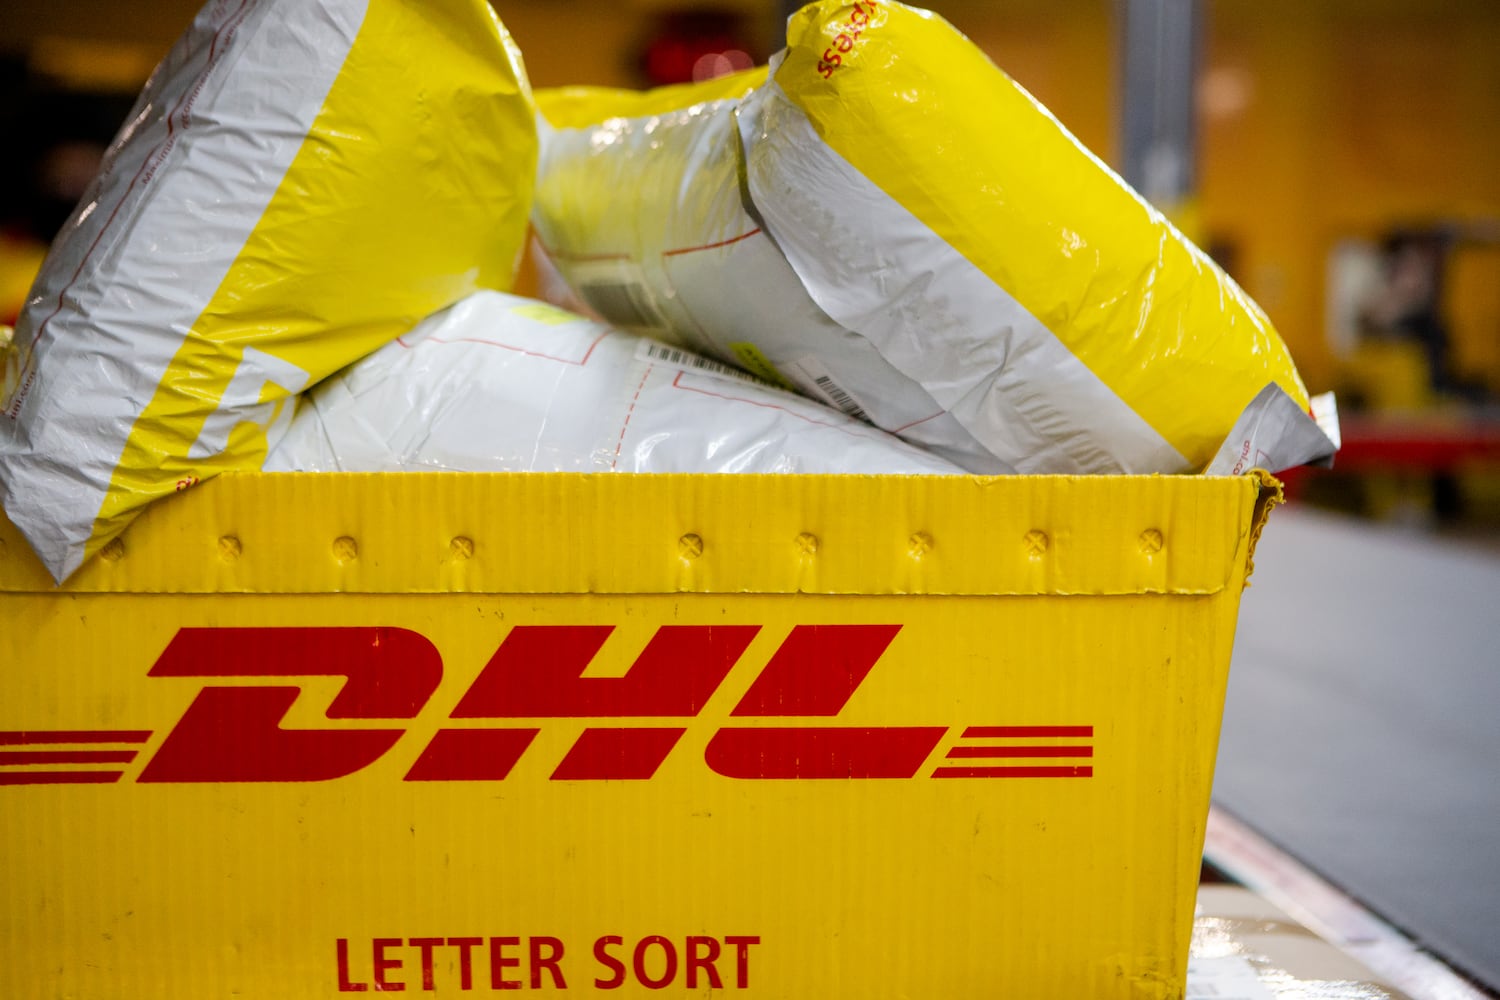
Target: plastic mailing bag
<point x="499" y="383"/>
<point x="891" y="223"/>
<point x="640" y="210"/>
<point x="299" y="182"/>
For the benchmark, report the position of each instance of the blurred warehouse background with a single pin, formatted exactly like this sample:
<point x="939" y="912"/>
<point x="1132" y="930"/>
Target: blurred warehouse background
<point x="1341" y="159"/>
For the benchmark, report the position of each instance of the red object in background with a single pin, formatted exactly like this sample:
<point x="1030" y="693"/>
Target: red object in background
<point x="689" y="45"/>
<point x="1425" y="444"/>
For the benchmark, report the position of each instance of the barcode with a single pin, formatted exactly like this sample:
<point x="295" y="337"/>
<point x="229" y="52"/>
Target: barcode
<point x="623" y="304"/>
<point x="840" y="398"/>
<point x="686" y="359"/>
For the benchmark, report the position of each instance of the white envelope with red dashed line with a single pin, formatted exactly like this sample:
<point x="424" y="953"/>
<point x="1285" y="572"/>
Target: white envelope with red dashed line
<point x="499" y="383"/>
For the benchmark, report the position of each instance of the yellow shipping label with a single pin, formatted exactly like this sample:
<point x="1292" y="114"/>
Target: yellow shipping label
<point x="863" y="737"/>
<point x="753" y="360"/>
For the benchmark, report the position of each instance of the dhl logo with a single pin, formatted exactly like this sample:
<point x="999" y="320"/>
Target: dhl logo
<point x="234" y="734"/>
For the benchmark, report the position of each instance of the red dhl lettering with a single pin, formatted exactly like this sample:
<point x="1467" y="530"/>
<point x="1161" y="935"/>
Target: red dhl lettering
<point x="233" y="732"/>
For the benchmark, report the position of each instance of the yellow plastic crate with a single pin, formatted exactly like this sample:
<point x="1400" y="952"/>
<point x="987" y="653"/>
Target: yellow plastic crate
<point x="799" y="737"/>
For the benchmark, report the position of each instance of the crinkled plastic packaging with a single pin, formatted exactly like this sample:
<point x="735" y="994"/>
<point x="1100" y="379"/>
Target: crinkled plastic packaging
<point x="890" y="223"/>
<point x="299" y="182"/>
<point x="498" y="383"/>
<point x="640" y="209"/>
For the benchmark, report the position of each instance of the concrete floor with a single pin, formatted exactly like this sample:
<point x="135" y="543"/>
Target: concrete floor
<point x="1362" y="729"/>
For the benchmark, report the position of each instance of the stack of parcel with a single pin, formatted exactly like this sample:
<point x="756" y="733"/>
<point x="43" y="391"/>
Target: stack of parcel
<point x="428" y="693"/>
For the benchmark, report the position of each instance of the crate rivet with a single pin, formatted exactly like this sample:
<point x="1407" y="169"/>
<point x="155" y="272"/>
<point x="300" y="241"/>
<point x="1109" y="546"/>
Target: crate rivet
<point x="1151" y="542"/>
<point x="113" y="551"/>
<point x="690" y="546"/>
<point x="919" y="544"/>
<point x="1036" y="543"/>
<point x="229" y="548"/>
<point x="807" y="543"/>
<point x="345" y="549"/>
<point x="462" y="547"/>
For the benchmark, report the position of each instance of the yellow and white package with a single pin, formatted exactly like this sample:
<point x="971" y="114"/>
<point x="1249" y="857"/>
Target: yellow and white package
<point x="498" y="383"/>
<point x="299" y="182"/>
<point x="639" y="208"/>
<point x="978" y="281"/>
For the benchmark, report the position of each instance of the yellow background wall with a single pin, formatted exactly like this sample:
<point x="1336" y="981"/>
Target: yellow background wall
<point x="1360" y="117"/>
